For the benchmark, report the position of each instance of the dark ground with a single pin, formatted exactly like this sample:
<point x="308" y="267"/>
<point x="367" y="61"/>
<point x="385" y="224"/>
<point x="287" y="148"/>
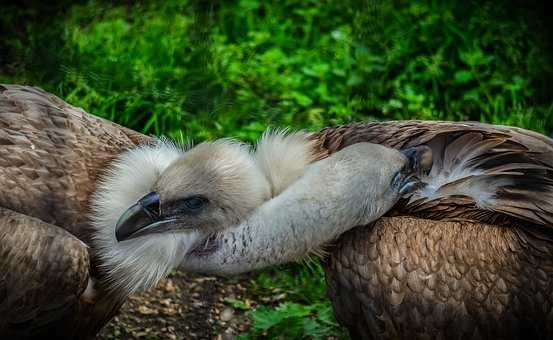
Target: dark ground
<point x="184" y="306"/>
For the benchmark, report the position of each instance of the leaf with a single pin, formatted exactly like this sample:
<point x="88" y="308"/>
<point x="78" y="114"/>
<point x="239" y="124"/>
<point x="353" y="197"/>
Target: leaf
<point x="239" y="304"/>
<point x="463" y="76"/>
<point x="301" y="98"/>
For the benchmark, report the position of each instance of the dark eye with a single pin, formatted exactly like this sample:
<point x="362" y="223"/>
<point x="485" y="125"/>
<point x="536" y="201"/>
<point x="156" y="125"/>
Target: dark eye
<point x="194" y="203"/>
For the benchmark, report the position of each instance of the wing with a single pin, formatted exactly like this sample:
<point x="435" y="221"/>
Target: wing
<point x="408" y="278"/>
<point x="493" y="174"/>
<point x="52" y="154"/>
<point x="43" y="272"/>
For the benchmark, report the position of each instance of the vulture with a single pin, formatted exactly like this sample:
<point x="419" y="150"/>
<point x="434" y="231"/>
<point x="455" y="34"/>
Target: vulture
<point x="91" y="212"/>
<point x="468" y="254"/>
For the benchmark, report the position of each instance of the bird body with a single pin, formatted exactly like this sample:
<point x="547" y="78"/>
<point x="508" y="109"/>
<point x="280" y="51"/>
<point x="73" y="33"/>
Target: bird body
<point x="49" y="166"/>
<point x="469" y="256"/>
<point x="412" y="278"/>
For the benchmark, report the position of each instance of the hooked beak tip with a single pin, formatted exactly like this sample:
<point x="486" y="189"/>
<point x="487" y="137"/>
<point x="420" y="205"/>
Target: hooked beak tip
<point x="138" y="216"/>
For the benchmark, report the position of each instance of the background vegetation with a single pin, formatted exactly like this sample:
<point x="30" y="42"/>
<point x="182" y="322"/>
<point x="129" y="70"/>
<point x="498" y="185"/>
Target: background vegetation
<point x="232" y="68"/>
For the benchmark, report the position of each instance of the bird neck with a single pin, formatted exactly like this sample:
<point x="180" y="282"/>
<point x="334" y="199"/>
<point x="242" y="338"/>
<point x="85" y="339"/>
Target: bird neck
<point x="311" y="212"/>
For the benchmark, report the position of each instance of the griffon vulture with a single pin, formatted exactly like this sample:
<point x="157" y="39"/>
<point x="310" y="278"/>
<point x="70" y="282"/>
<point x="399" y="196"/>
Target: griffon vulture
<point x="468" y="256"/>
<point x="91" y="212"/>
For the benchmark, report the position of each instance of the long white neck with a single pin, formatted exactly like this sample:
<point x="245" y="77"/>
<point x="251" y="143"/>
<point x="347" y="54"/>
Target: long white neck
<point x="352" y="187"/>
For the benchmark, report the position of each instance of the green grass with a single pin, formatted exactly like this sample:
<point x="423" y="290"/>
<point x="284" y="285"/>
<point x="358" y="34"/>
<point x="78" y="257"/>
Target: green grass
<point x="295" y="305"/>
<point x="206" y="70"/>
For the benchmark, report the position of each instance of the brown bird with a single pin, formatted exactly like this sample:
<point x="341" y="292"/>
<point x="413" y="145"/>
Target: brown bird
<point x="469" y="255"/>
<point x="91" y="212"/>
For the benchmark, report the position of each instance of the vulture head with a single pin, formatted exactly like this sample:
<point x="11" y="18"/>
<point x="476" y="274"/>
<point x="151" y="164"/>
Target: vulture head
<point x="209" y="187"/>
<point x="159" y="201"/>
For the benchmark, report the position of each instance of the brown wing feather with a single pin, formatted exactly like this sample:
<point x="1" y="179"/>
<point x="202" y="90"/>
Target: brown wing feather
<point x="407" y="278"/>
<point x="52" y="154"/>
<point x="503" y="172"/>
<point x="43" y="272"/>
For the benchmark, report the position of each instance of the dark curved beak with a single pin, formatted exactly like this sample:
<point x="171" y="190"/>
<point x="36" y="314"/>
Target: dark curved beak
<point x="419" y="162"/>
<point x="139" y="217"/>
<point x="419" y="158"/>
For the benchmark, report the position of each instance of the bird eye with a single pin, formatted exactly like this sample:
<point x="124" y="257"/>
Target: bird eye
<point x="194" y="203"/>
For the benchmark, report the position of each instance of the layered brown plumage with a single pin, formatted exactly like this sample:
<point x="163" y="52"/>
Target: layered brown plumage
<point x="468" y="257"/>
<point x="407" y="278"/>
<point x="51" y="156"/>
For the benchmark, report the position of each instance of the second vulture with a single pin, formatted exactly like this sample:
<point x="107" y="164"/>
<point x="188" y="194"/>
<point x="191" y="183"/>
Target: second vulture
<point x="468" y="256"/>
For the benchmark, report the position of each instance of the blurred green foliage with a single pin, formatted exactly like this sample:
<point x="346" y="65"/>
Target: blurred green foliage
<point x="232" y="68"/>
<point x="205" y="70"/>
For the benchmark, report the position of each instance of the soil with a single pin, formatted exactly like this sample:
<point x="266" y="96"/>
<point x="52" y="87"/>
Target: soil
<point x="184" y="306"/>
